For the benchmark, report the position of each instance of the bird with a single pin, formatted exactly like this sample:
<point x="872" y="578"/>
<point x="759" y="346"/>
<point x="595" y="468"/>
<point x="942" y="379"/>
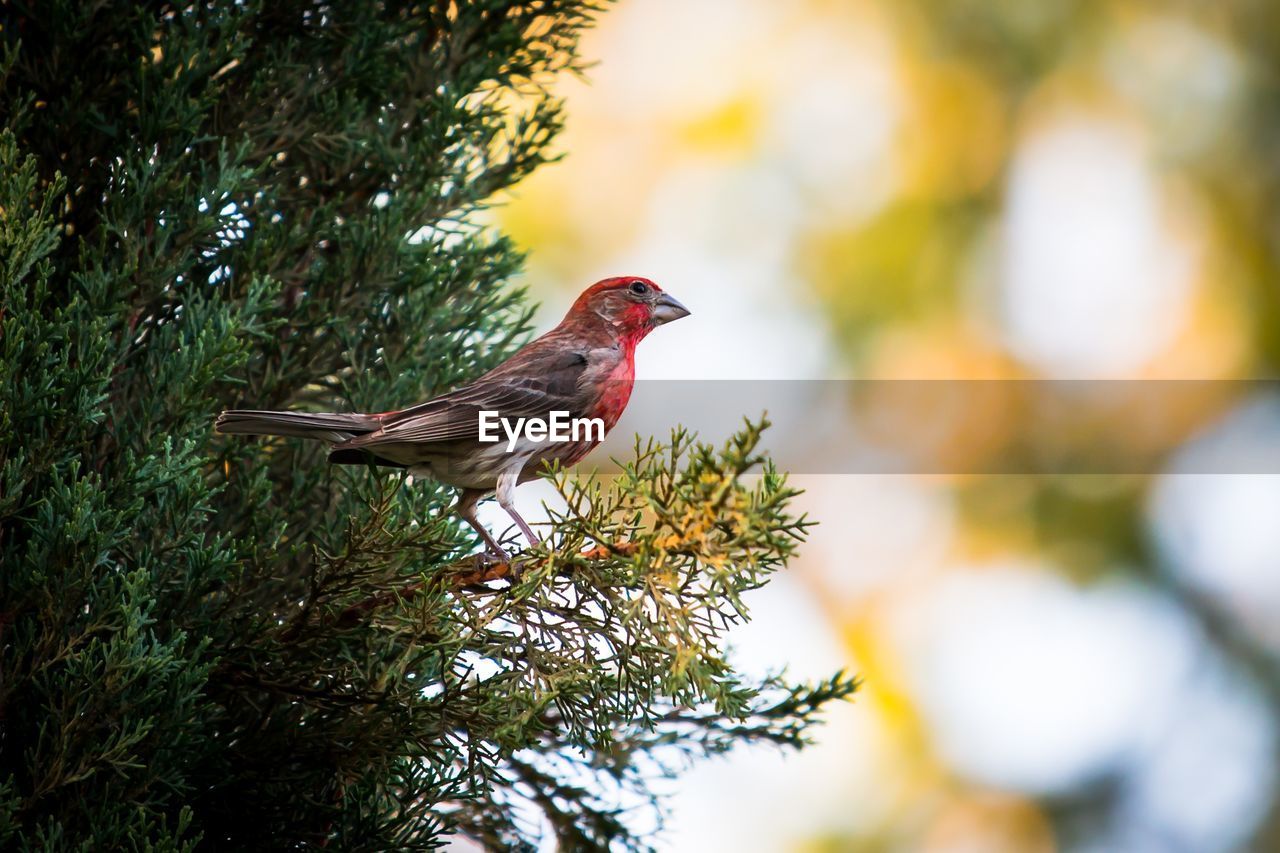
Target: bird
<point x="585" y="366"/>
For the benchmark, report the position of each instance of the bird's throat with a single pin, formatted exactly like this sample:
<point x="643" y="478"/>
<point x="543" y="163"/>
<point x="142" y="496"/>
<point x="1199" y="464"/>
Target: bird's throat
<point x="618" y="385"/>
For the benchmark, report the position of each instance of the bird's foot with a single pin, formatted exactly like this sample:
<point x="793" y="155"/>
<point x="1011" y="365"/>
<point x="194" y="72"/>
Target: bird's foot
<point x="490" y="558"/>
<point x="491" y="566"/>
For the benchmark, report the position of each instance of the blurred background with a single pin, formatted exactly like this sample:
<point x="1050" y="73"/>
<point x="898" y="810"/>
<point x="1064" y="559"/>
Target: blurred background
<point x="969" y="189"/>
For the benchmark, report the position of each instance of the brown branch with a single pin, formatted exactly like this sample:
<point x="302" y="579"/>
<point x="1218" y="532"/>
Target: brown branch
<point x="470" y="574"/>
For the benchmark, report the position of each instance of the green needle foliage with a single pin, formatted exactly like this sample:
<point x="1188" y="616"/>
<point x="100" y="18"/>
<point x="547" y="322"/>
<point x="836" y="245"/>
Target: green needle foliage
<point x="228" y="644"/>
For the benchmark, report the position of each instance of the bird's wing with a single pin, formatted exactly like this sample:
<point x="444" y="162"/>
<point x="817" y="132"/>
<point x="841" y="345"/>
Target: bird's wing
<point x="548" y="382"/>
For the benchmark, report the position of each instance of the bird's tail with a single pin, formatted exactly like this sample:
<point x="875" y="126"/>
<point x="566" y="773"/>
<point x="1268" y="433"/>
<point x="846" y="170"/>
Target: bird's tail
<point x="330" y="427"/>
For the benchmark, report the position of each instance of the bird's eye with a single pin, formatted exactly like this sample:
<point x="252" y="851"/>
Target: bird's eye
<point x="639" y="288"/>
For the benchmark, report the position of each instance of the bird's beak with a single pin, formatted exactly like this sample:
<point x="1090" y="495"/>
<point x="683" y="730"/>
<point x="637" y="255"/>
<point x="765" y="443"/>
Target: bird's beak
<point x="668" y="308"/>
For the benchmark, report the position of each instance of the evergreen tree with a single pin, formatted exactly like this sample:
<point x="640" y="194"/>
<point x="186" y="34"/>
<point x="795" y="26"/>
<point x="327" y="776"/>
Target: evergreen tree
<point x="230" y="644"/>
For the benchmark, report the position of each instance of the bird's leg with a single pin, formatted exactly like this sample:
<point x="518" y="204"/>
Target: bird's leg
<point x="533" y="538"/>
<point x="507" y="500"/>
<point x="466" y="508"/>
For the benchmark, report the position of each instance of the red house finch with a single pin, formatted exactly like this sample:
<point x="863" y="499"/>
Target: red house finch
<point x="583" y="368"/>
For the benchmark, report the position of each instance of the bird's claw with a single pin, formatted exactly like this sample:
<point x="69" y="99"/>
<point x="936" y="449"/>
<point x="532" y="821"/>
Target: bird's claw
<point x="488" y="559"/>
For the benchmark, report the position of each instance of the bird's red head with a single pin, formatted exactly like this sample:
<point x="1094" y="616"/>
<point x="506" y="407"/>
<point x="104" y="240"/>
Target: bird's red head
<point x="631" y="305"/>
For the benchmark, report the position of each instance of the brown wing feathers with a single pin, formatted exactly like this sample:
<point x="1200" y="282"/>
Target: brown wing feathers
<point x="551" y="385"/>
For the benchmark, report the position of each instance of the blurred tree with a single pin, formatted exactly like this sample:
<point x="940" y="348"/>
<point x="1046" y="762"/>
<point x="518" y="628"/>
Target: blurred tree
<point x="229" y="644"/>
<point x="1089" y="53"/>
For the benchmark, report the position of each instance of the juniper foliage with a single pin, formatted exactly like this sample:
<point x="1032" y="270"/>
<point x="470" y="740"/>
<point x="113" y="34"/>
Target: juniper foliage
<point x="226" y="644"/>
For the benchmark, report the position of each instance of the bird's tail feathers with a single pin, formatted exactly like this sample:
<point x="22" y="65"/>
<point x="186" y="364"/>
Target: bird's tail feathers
<point x="324" y="426"/>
